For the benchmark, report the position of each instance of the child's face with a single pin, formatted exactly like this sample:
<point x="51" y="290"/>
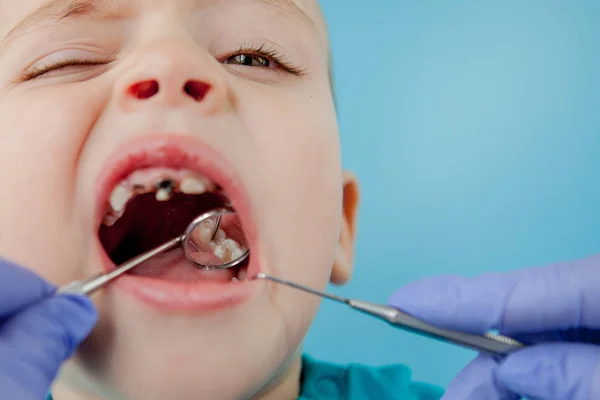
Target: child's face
<point x="92" y="90"/>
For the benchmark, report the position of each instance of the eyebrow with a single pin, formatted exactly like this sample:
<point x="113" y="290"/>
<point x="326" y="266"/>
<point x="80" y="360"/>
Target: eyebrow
<point x="60" y="9"/>
<point x="56" y="10"/>
<point x="288" y="7"/>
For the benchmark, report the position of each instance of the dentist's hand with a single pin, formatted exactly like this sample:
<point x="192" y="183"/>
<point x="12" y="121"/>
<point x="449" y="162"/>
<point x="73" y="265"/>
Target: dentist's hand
<point x="558" y="303"/>
<point x="38" y="332"/>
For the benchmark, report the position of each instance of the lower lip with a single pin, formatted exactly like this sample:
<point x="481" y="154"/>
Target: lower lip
<point x="201" y="296"/>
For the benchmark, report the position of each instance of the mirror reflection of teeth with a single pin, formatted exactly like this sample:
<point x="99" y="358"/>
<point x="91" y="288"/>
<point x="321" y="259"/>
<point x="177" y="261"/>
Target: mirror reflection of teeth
<point x="204" y="232"/>
<point x="225" y="248"/>
<point x="220" y="236"/>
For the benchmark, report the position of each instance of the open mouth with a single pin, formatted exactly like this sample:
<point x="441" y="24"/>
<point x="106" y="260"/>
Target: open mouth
<point x="148" y="192"/>
<point x="153" y="205"/>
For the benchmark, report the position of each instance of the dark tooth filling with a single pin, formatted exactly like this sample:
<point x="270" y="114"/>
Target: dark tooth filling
<point x="148" y="223"/>
<point x="166" y="184"/>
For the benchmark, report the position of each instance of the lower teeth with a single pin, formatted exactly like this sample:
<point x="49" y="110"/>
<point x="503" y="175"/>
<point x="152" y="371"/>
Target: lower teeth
<point x="242" y="273"/>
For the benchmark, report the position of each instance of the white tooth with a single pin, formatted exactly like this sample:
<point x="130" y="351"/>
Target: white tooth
<point x="220" y="236"/>
<point x="234" y="247"/>
<point x="242" y="274"/>
<point x="220" y="252"/>
<point x="119" y="197"/>
<point x="234" y="279"/>
<point x="192" y="186"/>
<point x="230" y="244"/>
<point x="205" y="233"/>
<point x="235" y="254"/>
<point x="163" y="195"/>
<point x="109" y="220"/>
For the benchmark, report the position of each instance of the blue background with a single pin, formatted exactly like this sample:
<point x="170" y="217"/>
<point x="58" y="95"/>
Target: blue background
<point x="474" y="128"/>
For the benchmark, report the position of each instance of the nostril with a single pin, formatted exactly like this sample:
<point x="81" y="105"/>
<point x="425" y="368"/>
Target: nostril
<point x="144" y="90"/>
<point x="196" y="89"/>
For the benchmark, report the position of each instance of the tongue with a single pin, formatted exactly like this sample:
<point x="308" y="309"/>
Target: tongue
<point x="174" y="266"/>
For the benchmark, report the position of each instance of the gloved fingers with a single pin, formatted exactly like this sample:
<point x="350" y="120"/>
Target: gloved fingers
<point x="467" y="304"/>
<point x="477" y="381"/>
<point x="560" y="296"/>
<point x="20" y="288"/>
<point x="553" y="372"/>
<point x="575" y="335"/>
<point x="35" y="343"/>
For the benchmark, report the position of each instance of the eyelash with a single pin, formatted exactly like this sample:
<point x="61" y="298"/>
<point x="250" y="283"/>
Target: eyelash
<point x="270" y="54"/>
<point x="38" y="72"/>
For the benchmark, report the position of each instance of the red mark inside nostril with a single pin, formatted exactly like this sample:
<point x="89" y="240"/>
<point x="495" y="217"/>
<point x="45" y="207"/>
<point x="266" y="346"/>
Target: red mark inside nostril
<point x="196" y="89"/>
<point x="144" y="90"/>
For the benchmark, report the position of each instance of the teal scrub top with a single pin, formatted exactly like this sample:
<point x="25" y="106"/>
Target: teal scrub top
<point x="326" y="381"/>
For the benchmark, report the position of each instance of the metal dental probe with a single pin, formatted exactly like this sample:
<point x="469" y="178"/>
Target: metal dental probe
<point x="90" y="285"/>
<point x="490" y="343"/>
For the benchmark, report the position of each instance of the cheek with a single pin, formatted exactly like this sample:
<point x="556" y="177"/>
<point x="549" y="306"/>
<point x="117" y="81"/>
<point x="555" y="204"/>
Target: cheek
<point x="301" y="204"/>
<point x="41" y="133"/>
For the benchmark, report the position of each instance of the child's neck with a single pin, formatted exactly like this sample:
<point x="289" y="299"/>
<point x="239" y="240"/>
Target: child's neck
<point x="286" y="387"/>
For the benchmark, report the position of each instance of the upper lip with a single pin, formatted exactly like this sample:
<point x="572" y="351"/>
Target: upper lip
<point x="174" y="151"/>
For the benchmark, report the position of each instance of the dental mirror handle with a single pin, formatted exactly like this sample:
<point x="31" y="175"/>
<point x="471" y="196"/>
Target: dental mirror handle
<point x="89" y="286"/>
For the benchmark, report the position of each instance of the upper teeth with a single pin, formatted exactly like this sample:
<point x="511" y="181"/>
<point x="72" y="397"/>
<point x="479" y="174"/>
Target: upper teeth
<point x="163" y="194"/>
<point x="119" y="197"/>
<point x="145" y="181"/>
<point x="192" y="185"/>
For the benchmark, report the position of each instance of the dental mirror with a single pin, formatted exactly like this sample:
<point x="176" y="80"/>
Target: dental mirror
<point x="215" y="240"/>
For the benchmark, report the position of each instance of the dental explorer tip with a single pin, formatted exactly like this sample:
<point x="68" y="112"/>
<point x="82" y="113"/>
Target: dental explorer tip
<point x="261" y="275"/>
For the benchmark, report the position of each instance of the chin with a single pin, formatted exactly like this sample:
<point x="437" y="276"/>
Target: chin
<point x="137" y="354"/>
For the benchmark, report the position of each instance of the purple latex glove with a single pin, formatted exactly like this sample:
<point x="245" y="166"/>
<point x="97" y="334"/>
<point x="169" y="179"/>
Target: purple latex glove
<point x="38" y="332"/>
<point x="558" y="305"/>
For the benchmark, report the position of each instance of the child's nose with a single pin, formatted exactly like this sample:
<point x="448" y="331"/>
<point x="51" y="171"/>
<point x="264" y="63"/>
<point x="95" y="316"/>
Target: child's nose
<point x="170" y="74"/>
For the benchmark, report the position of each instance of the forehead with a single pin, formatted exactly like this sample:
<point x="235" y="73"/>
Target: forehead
<point x="23" y="12"/>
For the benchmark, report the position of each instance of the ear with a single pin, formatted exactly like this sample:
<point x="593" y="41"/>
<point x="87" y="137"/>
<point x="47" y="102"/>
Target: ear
<point x="344" y="255"/>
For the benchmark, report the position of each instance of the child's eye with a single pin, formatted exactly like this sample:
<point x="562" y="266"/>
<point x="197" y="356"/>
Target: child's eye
<point x="63" y="67"/>
<point x="249" y="60"/>
<point x="263" y="56"/>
